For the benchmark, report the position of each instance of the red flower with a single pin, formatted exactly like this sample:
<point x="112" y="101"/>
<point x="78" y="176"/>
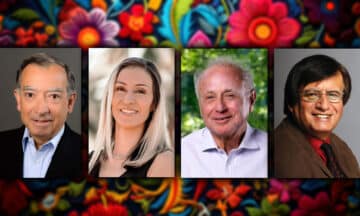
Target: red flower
<point x="109" y="210"/>
<point x="30" y="37"/>
<point x="67" y="10"/>
<point x="261" y="23"/>
<point x="321" y="205"/>
<point x="225" y="191"/>
<point x="13" y="197"/>
<point x="136" y="23"/>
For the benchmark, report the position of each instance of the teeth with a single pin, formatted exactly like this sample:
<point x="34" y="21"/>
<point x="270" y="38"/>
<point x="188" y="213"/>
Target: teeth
<point x="127" y="111"/>
<point x="322" y="116"/>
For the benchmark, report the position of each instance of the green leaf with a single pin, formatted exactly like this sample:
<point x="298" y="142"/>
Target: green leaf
<point x="306" y="38"/>
<point x="266" y="206"/>
<point x="75" y="189"/>
<point x="283" y="209"/>
<point x="168" y="43"/>
<point x="25" y="14"/>
<point x="33" y="207"/>
<point x="63" y="205"/>
<point x="254" y="211"/>
<point x="304" y="19"/>
<point x="181" y="8"/>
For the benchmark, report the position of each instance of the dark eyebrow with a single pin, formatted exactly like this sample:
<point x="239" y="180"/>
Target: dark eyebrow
<point x="139" y="84"/>
<point x="228" y="90"/>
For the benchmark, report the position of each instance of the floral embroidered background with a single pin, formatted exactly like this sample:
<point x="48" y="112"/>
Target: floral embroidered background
<point x="181" y="23"/>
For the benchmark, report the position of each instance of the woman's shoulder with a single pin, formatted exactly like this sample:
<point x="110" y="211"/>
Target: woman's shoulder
<point x="163" y="165"/>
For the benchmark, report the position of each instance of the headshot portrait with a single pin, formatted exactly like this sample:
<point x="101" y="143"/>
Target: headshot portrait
<point x="131" y="112"/>
<point x="316" y="130"/>
<point x="224" y="114"/>
<point x="41" y="124"/>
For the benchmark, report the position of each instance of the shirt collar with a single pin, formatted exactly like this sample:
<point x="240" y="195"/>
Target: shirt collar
<point x="316" y="142"/>
<point x="53" y="141"/>
<point x="209" y="143"/>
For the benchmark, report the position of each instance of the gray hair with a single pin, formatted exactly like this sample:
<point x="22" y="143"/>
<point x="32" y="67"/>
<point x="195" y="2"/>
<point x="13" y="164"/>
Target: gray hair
<point x="43" y="59"/>
<point x="225" y="62"/>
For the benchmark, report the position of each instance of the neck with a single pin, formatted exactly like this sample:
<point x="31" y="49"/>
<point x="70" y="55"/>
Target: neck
<point x="39" y="142"/>
<point x="230" y="142"/>
<point x="126" y="139"/>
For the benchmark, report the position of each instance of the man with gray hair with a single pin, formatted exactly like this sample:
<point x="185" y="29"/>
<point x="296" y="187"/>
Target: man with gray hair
<point x="45" y="146"/>
<point x="228" y="146"/>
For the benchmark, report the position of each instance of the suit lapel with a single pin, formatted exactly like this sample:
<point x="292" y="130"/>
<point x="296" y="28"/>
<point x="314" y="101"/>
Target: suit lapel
<point x="58" y="162"/>
<point x="19" y="153"/>
<point x="306" y="151"/>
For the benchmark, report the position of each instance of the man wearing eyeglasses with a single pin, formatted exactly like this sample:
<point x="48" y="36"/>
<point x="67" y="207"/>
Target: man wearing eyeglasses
<point x="316" y="90"/>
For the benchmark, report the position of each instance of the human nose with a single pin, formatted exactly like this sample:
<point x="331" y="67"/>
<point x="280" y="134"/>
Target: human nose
<point x="323" y="102"/>
<point x="220" y="105"/>
<point x="129" y="97"/>
<point x="42" y="105"/>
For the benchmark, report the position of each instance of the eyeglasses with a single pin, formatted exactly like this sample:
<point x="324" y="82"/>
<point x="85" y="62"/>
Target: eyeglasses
<point x="313" y="95"/>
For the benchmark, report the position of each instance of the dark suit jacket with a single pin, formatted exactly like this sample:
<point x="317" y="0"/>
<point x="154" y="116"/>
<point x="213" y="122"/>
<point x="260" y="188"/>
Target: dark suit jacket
<point x="66" y="161"/>
<point x="294" y="157"/>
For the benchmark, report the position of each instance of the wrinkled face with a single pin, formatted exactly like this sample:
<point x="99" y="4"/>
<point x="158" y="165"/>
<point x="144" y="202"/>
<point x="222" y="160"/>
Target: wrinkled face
<point x="43" y="101"/>
<point x="132" y="98"/>
<point x="319" y="118"/>
<point x="224" y="101"/>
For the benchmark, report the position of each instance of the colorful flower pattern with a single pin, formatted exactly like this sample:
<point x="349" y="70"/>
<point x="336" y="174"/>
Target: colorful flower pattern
<point x="182" y="23"/>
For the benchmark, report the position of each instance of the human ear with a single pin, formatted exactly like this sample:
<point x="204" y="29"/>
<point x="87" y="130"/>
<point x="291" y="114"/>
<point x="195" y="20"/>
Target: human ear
<point x="252" y="99"/>
<point x="71" y="102"/>
<point x="17" y="98"/>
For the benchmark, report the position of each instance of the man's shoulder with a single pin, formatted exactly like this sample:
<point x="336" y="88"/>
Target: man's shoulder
<point x="259" y="135"/>
<point x="12" y="134"/>
<point x="197" y="135"/>
<point x="71" y="136"/>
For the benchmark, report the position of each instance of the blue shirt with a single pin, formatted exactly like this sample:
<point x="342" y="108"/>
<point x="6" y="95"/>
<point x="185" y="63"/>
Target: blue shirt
<point x="202" y="158"/>
<point x="37" y="161"/>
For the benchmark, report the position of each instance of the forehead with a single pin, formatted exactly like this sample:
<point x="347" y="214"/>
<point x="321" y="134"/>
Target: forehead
<point x="219" y="77"/>
<point x="134" y="75"/>
<point x="39" y="76"/>
<point x="335" y="82"/>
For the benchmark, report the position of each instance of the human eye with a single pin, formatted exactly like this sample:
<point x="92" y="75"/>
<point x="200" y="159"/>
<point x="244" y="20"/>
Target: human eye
<point x="334" y="95"/>
<point x="54" y="97"/>
<point x="311" y="95"/>
<point x="229" y="95"/>
<point x="29" y="95"/>
<point x="140" y="91"/>
<point x="120" y="89"/>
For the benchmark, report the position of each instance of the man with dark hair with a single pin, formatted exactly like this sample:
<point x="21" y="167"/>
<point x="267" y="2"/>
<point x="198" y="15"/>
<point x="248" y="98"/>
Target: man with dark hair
<point x="45" y="146"/>
<point x="316" y="90"/>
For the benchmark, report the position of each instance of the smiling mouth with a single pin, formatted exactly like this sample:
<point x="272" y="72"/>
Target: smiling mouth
<point x="42" y="121"/>
<point x="322" y="116"/>
<point x="128" y="111"/>
<point x="222" y="119"/>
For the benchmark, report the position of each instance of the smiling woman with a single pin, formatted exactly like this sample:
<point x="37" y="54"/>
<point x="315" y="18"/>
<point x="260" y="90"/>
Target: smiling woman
<point x="130" y="141"/>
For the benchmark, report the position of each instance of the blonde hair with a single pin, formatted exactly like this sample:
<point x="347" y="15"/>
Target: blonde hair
<point x="154" y="139"/>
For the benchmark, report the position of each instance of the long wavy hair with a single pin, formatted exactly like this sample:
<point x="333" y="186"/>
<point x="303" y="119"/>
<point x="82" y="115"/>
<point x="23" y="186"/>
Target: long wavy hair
<point x="155" y="137"/>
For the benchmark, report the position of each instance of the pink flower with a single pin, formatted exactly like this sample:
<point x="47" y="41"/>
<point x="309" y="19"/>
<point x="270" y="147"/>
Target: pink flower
<point x="86" y="30"/>
<point x="199" y="39"/>
<point x="286" y="190"/>
<point x="261" y="23"/>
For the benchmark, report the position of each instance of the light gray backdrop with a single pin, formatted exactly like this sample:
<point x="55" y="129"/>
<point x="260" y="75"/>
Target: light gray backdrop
<point x="349" y="126"/>
<point x="10" y="61"/>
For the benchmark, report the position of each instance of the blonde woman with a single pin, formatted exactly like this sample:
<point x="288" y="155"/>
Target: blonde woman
<point x="131" y="140"/>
